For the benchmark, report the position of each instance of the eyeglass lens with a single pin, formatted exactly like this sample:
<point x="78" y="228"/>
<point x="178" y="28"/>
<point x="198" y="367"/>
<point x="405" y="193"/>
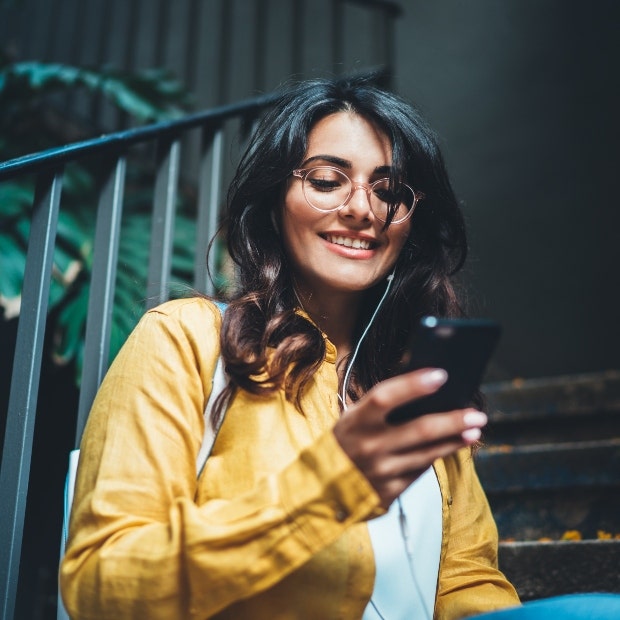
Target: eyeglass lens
<point x="327" y="189"/>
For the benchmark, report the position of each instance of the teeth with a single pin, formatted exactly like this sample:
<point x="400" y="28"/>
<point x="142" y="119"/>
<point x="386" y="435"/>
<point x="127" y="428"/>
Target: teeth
<point x="358" y="244"/>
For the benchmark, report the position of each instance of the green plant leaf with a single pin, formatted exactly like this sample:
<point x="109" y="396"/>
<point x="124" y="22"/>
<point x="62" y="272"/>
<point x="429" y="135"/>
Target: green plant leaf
<point x="15" y="199"/>
<point x="25" y="127"/>
<point x="13" y="261"/>
<point x="146" y="95"/>
<point x="70" y="327"/>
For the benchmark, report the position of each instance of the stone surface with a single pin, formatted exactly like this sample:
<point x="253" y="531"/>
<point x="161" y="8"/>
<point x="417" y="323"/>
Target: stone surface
<point x="540" y="570"/>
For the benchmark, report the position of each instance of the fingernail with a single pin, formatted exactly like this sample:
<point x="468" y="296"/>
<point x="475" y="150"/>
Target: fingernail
<point x="474" y="418"/>
<point x="435" y="377"/>
<point x="471" y="434"/>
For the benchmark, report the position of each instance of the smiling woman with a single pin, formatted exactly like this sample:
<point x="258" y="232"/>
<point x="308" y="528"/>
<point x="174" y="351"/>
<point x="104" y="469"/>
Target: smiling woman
<point x="345" y="231"/>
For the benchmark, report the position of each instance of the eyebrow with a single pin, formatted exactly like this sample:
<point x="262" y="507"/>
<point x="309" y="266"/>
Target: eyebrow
<point x="343" y="163"/>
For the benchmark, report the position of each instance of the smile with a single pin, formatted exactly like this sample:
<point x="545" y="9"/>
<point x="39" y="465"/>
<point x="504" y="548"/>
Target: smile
<point x="348" y="242"/>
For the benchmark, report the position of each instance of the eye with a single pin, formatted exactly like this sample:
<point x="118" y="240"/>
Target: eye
<point x="325" y="179"/>
<point x="400" y="195"/>
<point x="383" y="192"/>
<point x="323" y="185"/>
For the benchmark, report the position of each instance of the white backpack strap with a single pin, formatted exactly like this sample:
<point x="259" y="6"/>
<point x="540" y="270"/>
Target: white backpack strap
<point x="210" y="433"/>
<point x="74" y="456"/>
<point x="218" y="384"/>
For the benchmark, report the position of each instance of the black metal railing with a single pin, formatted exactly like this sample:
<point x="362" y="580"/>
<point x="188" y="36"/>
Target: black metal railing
<point x="48" y="166"/>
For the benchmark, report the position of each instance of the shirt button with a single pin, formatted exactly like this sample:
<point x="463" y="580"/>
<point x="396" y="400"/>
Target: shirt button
<point x="341" y="515"/>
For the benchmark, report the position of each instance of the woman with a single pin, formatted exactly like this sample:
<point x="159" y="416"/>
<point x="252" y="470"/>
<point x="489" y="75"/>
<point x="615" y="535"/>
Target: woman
<point x="345" y="231"/>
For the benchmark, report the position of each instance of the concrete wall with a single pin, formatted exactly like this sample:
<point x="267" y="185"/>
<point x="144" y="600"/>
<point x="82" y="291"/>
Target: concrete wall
<point x="524" y="94"/>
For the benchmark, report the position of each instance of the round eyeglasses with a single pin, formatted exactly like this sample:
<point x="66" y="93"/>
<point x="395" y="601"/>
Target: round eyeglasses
<point x="329" y="189"/>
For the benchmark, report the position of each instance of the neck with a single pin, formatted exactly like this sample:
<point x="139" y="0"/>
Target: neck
<point x="335" y="314"/>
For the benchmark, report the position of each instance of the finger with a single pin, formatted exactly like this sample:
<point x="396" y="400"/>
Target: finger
<point x="396" y="473"/>
<point x="369" y="442"/>
<point x="409" y="463"/>
<point x="399" y="390"/>
<point x="464" y="424"/>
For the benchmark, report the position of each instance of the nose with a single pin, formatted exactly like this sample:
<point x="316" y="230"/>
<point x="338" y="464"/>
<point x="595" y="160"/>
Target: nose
<point x="358" y="204"/>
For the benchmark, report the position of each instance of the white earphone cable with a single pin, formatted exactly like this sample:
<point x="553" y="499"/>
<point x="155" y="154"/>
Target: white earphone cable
<point x="345" y="382"/>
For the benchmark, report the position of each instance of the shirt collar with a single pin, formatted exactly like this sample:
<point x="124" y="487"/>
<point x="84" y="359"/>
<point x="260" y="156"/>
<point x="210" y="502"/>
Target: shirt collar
<point x="330" y="347"/>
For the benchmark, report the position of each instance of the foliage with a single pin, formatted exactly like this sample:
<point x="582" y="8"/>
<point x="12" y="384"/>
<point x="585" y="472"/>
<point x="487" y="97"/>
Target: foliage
<point x="30" y="121"/>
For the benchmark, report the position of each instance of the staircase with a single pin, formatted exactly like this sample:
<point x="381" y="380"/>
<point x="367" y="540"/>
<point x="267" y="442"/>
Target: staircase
<point x="551" y="469"/>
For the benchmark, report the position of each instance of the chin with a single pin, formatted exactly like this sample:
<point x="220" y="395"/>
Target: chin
<point x="351" y="286"/>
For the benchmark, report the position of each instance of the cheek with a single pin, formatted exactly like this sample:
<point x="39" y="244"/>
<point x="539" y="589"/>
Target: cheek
<point x="298" y="217"/>
<point x="399" y="238"/>
<point x="292" y="208"/>
<point x="294" y="227"/>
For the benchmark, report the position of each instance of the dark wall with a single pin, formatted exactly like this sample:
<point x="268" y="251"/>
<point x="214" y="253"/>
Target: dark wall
<point x="524" y="94"/>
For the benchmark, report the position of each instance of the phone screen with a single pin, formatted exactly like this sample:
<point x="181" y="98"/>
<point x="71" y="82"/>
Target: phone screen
<point x="463" y="348"/>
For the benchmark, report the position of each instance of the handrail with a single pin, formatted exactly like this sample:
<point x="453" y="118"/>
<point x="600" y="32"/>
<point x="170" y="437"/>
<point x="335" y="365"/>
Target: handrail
<point x="57" y="156"/>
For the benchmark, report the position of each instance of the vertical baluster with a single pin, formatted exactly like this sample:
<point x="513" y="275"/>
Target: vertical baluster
<point x="208" y="206"/>
<point x="17" y="452"/>
<point x="101" y="298"/>
<point x="162" y="229"/>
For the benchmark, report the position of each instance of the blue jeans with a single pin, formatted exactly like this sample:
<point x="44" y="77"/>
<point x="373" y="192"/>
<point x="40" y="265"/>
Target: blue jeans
<point x="568" y="607"/>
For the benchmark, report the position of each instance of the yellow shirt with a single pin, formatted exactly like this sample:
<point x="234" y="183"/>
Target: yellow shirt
<point x="273" y="528"/>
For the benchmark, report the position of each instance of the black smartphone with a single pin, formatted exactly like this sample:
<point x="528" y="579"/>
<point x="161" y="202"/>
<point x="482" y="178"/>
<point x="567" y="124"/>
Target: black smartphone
<point x="463" y="348"/>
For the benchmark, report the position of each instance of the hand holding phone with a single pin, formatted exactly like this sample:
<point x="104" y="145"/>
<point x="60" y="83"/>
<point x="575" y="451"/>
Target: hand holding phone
<point x="463" y="348"/>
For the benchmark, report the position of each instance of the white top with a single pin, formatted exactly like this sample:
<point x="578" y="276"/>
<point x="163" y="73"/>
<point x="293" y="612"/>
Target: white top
<point x="395" y="594"/>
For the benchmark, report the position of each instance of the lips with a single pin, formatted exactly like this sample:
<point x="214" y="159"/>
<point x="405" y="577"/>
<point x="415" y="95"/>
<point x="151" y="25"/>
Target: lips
<point x="350" y="242"/>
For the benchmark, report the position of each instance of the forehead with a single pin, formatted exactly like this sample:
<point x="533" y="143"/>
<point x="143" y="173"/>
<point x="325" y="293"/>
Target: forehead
<point x="351" y="137"/>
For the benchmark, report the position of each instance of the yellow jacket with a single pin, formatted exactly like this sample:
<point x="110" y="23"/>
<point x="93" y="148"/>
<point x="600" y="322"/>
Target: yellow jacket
<point x="273" y="528"/>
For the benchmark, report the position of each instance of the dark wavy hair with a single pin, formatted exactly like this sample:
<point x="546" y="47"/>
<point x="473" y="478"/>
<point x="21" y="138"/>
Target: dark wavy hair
<point x="266" y="344"/>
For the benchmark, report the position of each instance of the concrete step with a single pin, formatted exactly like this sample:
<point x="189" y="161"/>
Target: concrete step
<point x="541" y="491"/>
<point x="566" y="465"/>
<point x="541" y="570"/>
<point x="551" y="457"/>
<point x="556" y="409"/>
<point x="550" y="464"/>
